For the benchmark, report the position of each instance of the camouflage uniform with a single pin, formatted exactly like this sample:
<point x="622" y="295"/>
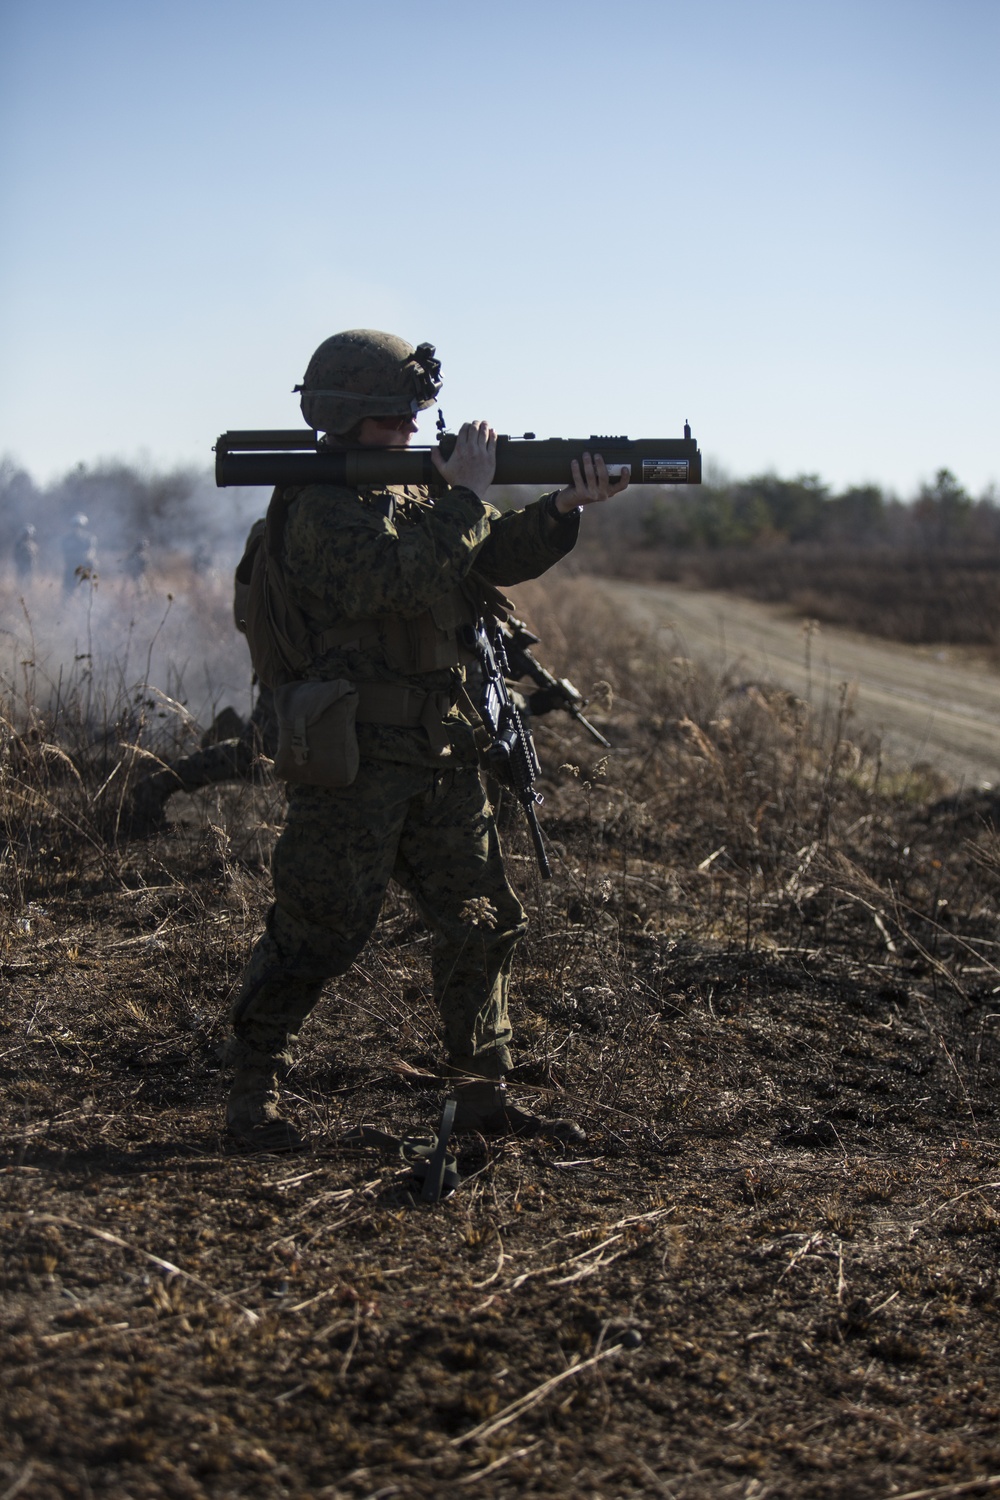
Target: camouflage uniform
<point x="416" y="811"/>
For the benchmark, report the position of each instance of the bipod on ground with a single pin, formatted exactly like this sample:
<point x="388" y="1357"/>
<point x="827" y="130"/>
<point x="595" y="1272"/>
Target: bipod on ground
<point x="437" y="1167"/>
<point x="427" y="1156"/>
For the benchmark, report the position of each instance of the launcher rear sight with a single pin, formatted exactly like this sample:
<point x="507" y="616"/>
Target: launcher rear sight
<point x="301" y="457"/>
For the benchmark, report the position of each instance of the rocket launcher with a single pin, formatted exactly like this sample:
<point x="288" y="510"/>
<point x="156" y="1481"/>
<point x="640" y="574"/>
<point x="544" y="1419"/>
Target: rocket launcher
<point x="302" y="457"/>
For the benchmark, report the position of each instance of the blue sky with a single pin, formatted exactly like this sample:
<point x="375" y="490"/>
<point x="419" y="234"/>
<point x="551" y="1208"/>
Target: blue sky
<point x="779" y="220"/>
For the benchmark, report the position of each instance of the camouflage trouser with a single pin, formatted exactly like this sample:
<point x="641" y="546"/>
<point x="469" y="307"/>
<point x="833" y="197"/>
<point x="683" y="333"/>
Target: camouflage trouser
<point x="432" y="832"/>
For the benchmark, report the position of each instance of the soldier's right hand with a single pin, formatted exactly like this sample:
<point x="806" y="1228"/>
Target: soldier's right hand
<point x="474" y="460"/>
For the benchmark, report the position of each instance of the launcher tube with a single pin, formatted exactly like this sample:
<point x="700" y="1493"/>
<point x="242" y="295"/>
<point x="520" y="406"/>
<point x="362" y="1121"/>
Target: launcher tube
<point x="294" y="458"/>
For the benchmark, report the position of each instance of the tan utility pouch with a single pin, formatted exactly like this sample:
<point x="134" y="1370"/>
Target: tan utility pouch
<point x="317" y="740"/>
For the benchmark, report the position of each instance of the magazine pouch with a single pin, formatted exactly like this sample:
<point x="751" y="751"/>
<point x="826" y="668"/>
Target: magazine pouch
<point x="317" y="740"/>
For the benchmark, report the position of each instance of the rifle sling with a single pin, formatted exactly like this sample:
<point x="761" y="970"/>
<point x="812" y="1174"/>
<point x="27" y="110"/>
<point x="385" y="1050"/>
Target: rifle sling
<point x="479" y="726"/>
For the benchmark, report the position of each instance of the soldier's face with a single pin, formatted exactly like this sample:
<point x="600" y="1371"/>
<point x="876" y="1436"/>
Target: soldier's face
<point x="386" y="432"/>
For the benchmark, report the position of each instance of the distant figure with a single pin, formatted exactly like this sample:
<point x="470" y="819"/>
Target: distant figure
<point x="136" y="564"/>
<point x="26" y="555"/>
<point x="79" y="549"/>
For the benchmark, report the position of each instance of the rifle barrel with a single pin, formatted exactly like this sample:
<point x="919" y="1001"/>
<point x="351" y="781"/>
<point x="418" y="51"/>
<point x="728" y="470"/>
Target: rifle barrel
<point x="591" y="729"/>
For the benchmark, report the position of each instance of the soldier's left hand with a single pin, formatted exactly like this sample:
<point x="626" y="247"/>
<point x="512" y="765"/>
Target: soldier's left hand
<point x="591" y="484"/>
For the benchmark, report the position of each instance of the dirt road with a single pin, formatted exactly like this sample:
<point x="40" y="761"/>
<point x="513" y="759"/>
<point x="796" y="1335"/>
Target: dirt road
<point x="930" y="705"/>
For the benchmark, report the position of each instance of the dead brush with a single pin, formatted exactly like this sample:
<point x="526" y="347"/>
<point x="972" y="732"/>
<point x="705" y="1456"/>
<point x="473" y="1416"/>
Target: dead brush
<point x="723" y="815"/>
<point x="785" y="1210"/>
<point x="726" y="813"/>
<point x="77" y="733"/>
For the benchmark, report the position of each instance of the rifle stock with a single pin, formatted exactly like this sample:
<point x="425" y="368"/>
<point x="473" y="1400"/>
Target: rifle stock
<point x="287" y="458"/>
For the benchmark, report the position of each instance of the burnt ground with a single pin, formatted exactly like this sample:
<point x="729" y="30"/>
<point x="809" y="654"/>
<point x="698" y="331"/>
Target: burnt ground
<point x="764" y="978"/>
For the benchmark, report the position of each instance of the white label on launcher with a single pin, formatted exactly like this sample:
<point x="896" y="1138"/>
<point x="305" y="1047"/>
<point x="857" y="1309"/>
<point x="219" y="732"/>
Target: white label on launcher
<point x="665" y="470"/>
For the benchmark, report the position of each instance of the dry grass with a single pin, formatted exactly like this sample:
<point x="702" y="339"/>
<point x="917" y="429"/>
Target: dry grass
<point x="765" y="977"/>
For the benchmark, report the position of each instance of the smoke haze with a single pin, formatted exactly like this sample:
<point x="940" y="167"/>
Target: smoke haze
<point x="132" y="604"/>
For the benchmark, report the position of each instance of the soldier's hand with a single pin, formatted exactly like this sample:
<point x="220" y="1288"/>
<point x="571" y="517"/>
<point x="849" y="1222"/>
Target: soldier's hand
<point x="474" y="460"/>
<point x="591" y="484"/>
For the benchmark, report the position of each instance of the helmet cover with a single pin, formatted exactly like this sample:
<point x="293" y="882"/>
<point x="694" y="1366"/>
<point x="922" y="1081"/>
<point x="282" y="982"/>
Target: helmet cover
<point x="364" y="373"/>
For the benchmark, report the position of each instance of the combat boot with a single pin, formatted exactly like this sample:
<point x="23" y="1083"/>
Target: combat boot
<point x="253" y="1113"/>
<point x="483" y="1105"/>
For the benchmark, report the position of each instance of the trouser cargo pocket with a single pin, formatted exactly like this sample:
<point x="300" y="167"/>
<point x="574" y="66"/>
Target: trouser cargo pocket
<point x="317" y="739"/>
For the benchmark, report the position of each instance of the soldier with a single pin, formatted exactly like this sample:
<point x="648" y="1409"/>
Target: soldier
<point x="135" y="564"/>
<point x="79" y="549"/>
<point x="235" y="758"/>
<point x="26" y="554"/>
<point x="381" y="582"/>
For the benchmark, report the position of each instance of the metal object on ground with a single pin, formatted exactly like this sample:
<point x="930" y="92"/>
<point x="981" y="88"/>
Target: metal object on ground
<point x="436" y="1170"/>
<point x="427" y="1156"/>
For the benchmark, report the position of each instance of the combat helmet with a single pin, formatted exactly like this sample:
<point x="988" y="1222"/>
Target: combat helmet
<point x="364" y="373"/>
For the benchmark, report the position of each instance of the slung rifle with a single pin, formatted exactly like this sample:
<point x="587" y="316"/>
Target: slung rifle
<point x="510" y="756"/>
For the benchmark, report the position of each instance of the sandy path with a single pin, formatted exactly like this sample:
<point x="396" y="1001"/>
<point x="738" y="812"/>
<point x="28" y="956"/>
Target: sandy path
<point x="928" y="705"/>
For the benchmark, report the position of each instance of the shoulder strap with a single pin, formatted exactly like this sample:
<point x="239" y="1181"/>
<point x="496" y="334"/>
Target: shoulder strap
<point x="244" y="572"/>
<point x="275" y="627"/>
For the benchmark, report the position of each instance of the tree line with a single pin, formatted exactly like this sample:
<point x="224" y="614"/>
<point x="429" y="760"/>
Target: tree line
<point x="768" y="510"/>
